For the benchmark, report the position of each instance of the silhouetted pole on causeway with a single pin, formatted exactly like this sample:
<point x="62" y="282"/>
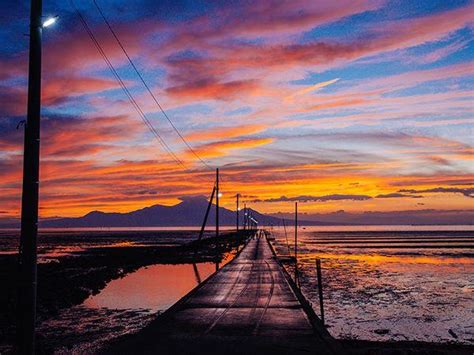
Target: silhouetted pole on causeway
<point x="296" y="243"/>
<point x="201" y="233"/>
<point x="217" y="202"/>
<point x="237" y="212"/>
<point x="320" y="289"/>
<point x="29" y="202"/>
<point x="245" y="217"/>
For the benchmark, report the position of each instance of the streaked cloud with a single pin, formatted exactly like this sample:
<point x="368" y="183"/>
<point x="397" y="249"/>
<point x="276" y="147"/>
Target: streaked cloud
<point x="309" y="198"/>
<point x="468" y="192"/>
<point x="311" y="89"/>
<point x="217" y="133"/>
<point x="397" y="195"/>
<point x="222" y="148"/>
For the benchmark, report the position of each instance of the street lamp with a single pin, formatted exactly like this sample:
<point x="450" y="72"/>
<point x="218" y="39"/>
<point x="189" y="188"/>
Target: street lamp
<point x="50" y="21"/>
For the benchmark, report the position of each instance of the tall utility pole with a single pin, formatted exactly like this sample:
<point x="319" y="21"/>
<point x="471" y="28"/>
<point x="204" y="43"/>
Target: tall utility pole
<point x="201" y="233"/>
<point x="217" y="202"/>
<point x="29" y="202"/>
<point x="237" y="212"/>
<point x="296" y="242"/>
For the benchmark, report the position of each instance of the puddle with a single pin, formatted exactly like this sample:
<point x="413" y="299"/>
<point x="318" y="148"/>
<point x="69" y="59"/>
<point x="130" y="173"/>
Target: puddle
<point x="153" y="288"/>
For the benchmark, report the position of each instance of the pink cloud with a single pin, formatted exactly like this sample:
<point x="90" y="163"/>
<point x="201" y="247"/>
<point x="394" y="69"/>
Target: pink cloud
<point x="224" y="60"/>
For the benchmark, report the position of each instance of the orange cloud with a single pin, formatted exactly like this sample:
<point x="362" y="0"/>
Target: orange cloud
<point x="219" y="149"/>
<point x="337" y="104"/>
<point x="59" y="89"/>
<point x="209" y="89"/>
<point x="225" y="132"/>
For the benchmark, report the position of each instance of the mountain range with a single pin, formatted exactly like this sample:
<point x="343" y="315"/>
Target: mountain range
<point x="190" y="213"/>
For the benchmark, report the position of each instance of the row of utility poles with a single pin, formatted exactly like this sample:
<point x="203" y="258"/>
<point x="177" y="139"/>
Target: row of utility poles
<point x="248" y="222"/>
<point x="27" y="270"/>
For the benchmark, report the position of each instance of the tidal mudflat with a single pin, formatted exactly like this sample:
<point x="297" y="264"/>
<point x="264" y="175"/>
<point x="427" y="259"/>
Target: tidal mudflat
<point x="390" y="285"/>
<point x="97" y="285"/>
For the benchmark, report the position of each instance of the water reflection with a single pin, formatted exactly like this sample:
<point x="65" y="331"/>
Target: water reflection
<point x="154" y="288"/>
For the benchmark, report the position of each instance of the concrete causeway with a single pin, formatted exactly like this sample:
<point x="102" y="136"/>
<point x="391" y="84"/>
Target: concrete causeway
<point x="247" y="307"/>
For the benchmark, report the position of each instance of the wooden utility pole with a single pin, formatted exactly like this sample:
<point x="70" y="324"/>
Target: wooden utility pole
<point x="296" y="242"/>
<point x="320" y="289"/>
<point x="201" y="233"/>
<point x="30" y="195"/>
<point x="237" y="212"/>
<point x="217" y="202"/>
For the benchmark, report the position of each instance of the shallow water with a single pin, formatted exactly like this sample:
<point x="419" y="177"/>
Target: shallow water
<point x="389" y="285"/>
<point x="55" y="243"/>
<point x="152" y="288"/>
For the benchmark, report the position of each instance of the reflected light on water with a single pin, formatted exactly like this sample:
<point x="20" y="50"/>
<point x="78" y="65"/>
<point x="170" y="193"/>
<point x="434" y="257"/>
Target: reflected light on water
<point x="380" y="259"/>
<point x="155" y="287"/>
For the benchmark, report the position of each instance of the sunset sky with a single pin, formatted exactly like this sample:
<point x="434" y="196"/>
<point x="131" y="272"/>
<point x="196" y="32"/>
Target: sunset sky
<point x="347" y="105"/>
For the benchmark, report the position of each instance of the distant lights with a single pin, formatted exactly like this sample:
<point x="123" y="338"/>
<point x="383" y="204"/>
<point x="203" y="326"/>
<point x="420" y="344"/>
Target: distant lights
<point x="219" y="194"/>
<point x="50" y="21"/>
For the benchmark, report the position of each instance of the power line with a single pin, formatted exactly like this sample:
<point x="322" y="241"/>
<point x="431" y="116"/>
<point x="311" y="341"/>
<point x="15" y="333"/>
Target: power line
<point x="124" y="87"/>
<point x="146" y="85"/>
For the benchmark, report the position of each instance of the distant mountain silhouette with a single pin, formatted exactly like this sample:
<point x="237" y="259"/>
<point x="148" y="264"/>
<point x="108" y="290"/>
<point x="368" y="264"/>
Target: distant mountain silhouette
<point x="190" y="212"/>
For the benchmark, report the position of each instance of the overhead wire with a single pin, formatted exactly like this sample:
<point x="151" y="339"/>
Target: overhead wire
<point x="125" y="89"/>
<point x="119" y="42"/>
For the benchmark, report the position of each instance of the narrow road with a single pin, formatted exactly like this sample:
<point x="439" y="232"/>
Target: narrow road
<point x="247" y="307"/>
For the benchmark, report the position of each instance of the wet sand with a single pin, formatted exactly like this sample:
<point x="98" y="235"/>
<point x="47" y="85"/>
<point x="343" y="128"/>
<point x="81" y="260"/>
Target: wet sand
<point x="390" y="289"/>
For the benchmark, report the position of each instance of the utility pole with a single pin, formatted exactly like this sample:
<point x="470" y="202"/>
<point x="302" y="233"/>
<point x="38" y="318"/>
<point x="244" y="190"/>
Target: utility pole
<point x="245" y="216"/>
<point x="237" y="212"/>
<point x="201" y="233"/>
<point x="29" y="202"/>
<point x="320" y="289"/>
<point x="296" y="242"/>
<point x="217" y="202"/>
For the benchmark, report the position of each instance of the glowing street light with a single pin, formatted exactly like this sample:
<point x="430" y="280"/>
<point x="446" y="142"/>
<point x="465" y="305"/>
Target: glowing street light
<point x="219" y="194"/>
<point x="50" y="21"/>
